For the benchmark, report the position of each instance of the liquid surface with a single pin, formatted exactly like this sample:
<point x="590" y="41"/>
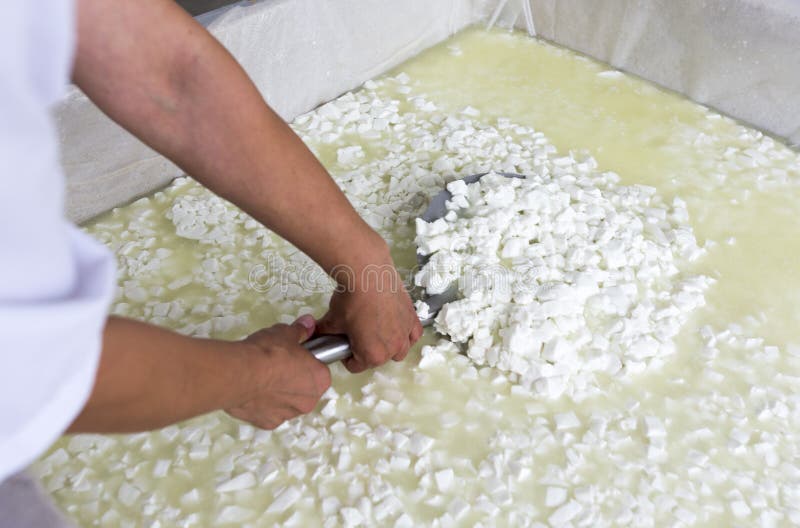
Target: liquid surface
<point x="385" y="446"/>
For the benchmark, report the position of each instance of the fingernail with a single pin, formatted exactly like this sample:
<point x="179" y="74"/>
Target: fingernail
<point x="307" y="321"/>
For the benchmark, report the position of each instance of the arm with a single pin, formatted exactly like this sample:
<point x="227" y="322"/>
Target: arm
<point x="154" y="70"/>
<point x="150" y="377"/>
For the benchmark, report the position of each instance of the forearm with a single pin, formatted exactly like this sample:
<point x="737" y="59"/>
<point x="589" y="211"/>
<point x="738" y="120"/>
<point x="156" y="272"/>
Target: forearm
<point x="149" y="377"/>
<point x="180" y="91"/>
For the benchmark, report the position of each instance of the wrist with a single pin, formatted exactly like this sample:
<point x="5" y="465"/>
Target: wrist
<point x="247" y="367"/>
<point x="368" y="262"/>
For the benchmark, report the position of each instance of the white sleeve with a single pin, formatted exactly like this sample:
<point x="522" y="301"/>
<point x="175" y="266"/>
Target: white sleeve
<point x="55" y="282"/>
<point x="49" y="351"/>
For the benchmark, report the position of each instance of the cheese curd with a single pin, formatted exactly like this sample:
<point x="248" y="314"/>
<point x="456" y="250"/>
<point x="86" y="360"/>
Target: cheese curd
<point x="561" y="274"/>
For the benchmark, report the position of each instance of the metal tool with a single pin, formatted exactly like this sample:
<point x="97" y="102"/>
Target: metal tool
<point x="332" y="348"/>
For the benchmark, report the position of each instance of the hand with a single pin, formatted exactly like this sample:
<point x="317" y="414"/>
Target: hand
<point x="287" y="380"/>
<point x="377" y="316"/>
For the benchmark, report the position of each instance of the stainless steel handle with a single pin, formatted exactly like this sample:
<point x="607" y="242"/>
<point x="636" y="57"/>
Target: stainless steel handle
<point x="329" y="348"/>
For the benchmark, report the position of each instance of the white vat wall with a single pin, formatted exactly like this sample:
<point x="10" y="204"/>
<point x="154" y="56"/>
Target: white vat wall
<point x="741" y="57"/>
<point x="300" y="53"/>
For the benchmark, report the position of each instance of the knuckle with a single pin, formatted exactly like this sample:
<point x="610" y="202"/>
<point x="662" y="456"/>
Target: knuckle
<point x="399" y="345"/>
<point x="279" y="350"/>
<point x="354" y="365"/>
<point x="259" y="334"/>
<point x="306" y="405"/>
<point x="287" y="414"/>
<point x="374" y="358"/>
<point x="279" y="331"/>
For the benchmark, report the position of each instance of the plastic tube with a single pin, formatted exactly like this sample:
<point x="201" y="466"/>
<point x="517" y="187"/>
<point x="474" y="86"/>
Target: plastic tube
<point x="527" y="13"/>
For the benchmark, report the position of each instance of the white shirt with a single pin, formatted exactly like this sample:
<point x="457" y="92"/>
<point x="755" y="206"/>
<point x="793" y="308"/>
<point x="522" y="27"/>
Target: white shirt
<point x="55" y="283"/>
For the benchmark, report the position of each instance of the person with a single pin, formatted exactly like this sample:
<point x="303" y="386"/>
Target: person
<point x="65" y="365"/>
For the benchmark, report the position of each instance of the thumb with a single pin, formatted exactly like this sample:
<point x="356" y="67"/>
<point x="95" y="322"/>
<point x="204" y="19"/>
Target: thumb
<point x="327" y="325"/>
<point x="304" y="325"/>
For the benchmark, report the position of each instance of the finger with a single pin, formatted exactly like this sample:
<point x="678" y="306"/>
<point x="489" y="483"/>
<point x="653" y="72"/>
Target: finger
<point x="296" y="332"/>
<point x="264" y="333"/>
<point x="403" y="352"/>
<point x="308" y="324"/>
<point x="416" y="333"/>
<point x="376" y="350"/>
<point x="400" y="356"/>
<point x="400" y="347"/>
<point x="354" y="365"/>
<point x="321" y="377"/>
